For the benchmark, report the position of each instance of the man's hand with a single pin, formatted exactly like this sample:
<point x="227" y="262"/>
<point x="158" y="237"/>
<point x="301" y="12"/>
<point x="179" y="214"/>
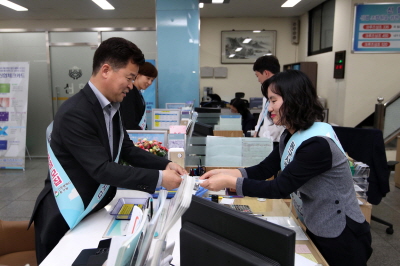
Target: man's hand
<point x="176" y="167"/>
<point x="171" y="179"/>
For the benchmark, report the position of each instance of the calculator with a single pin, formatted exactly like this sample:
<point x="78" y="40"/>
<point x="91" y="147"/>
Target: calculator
<point x="241" y="208"/>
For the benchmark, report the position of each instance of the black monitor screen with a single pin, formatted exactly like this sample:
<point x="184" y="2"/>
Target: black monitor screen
<point x="212" y="233"/>
<point x="202" y="130"/>
<point x="207" y="110"/>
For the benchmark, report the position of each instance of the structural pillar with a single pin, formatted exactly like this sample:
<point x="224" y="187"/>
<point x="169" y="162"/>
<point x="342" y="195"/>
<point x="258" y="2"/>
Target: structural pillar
<point x="178" y="35"/>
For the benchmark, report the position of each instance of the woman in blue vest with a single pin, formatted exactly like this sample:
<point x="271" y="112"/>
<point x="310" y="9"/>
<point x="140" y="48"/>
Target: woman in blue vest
<point x="314" y="171"/>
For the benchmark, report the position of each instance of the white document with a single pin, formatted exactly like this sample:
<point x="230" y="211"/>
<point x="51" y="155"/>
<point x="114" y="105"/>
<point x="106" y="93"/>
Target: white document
<point x="254" y="150"/>
<point x="227" y="201"/>
<point x="178" y="205"/>
<point x="122" y="248"/>
<point x="150" y="230"/>
<point x="136" y="218"/>
<point x="302" y="261"/>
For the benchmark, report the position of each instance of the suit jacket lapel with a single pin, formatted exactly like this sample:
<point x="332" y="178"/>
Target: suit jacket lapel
<point x="98" y="111"/>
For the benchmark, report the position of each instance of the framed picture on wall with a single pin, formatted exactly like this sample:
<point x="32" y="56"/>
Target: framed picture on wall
<point x="245" y="46"/>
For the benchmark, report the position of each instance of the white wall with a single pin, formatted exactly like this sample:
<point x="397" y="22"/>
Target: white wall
<point x="372" y="76"/>
<point x="31" y="47"/>
<point x="367" y="76"/>
<point x="241" y="77"/>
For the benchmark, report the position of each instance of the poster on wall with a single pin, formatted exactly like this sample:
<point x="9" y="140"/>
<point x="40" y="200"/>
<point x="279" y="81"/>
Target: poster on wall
<point x="14" y="79"/>
<point x="376" y="28"/>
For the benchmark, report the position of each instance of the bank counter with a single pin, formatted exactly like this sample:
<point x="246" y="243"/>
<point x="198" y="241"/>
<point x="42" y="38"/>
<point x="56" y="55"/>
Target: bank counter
<point x="89" y="232"/>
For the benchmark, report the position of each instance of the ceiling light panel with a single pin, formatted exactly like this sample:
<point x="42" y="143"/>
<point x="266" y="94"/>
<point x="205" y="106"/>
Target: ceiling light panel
<point x="104" y="4"/>
<point x="290" y="3"/>
<point x="12" y="5"/>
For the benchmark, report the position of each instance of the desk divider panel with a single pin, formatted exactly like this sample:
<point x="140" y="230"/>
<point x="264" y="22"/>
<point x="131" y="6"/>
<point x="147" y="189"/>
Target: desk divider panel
<point x="195" y="151"/>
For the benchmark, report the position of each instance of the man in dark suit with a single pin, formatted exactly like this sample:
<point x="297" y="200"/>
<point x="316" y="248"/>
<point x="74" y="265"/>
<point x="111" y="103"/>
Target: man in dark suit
<point x="87" y="140"/>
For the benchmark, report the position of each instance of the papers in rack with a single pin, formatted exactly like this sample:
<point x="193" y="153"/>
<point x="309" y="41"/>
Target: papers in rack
<point x="151" y="229"/>
<point x="133" y="249"/>
<point x="122" y="248"/>
<point x="178" y="205"/>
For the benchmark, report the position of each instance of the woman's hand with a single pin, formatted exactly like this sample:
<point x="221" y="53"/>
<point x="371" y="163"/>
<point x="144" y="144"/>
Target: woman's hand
<point x="231" y="172"/>
<point x="219" y="179"/>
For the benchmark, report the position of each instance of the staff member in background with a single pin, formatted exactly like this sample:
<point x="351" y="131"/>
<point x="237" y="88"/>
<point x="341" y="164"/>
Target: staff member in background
<point x="85" y="145"/>
<point x="265" y="67"/>
<point x="314" y="165"/>
<point x="237" y="105"/>
<point x="133" y="107"/>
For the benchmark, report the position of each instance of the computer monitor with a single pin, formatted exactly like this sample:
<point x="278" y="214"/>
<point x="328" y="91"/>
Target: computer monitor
<point x="163" y="118"/>
<point x="175" y="105"/>
<point x="202" y="130"/>
<point x="256" y="102"/>
<point x="215" y="234"/>
<point x="207" y="110"/>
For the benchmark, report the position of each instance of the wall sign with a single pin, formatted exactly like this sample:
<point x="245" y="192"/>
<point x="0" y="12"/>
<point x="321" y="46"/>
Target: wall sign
<point x="14" y="77"/>
<point x="376" y="28"/>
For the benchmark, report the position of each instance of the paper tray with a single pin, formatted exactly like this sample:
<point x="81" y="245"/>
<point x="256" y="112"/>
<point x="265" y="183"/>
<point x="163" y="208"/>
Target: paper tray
<point x="123" y="201"/>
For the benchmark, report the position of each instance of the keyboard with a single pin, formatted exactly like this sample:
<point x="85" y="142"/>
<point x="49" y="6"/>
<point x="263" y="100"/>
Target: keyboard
<point x="241" y="208"/>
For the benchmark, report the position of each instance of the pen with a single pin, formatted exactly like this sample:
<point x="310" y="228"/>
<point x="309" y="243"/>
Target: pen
<point x="148" y="202"/>
<point x="256" y="214"/>
<point x="151" y="207"/>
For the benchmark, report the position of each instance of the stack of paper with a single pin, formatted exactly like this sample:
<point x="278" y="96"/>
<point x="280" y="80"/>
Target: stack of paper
<point x="122" y="248"/>
<point x="178" y="205"/>
<point x="151" y="230"/>
<point x="146" y="234"/>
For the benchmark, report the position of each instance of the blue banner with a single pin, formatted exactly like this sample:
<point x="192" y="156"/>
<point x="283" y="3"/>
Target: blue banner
<point x="376" y="28"/>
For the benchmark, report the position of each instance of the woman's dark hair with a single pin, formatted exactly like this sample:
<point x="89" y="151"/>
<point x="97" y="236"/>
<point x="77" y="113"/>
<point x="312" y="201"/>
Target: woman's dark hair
<point x="148" y="70"/>
<point x="300" y="107"/>
<point x="240" y="105"/>
<point x="116" y="52"/>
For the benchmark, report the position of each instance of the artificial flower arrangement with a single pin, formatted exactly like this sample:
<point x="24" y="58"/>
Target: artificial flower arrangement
<point x="152" y="146"/>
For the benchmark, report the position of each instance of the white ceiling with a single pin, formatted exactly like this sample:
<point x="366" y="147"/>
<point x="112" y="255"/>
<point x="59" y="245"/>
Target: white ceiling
<point x="127" y="9"/>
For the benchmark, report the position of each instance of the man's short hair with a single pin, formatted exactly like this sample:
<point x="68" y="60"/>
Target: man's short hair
<point x="267" y="62"/>
<point x="116" y="52"/>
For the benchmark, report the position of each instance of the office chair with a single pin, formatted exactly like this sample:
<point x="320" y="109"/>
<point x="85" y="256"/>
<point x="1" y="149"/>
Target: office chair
<point x="367" y="146"/>
<point x="239" y="95"/>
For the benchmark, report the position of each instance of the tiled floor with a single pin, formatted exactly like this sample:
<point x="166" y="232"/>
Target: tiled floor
<point x="19" y="189"/>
